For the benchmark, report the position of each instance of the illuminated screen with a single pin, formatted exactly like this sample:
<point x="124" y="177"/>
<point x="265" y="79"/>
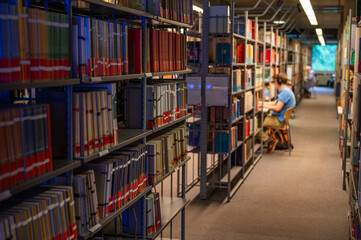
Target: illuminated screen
<point x="323" y="58"/>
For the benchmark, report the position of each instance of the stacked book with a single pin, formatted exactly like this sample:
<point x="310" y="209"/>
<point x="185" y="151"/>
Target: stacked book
<point x="237" y="80"/>
<point x="249" y="127"/>
<point x="153" y="213"/>
<point x="165" y="103"/>
<point x="236" y="108"/>
<point x="217" y="114"/>
<point x="44" y="213"/>
<point x="94" y="118"/>
<point x="247" y="150"/>
<point x="25" y="143"/>
<point x="35" y="44"/>
<point x="249" y="79"/>
<point x="100" y="47"/>
<point x="167" y="51"/>
<point x="166" y="153"/>
<point x="86" y="201"/>
<point x="248" y="101"/>
<point x="119" y="177"/>
<point x="218" y="141"/>
<point x="258" y="78"/>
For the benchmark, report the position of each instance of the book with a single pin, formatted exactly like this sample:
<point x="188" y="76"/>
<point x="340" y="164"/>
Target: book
<point x="43" y="213"/>
<point x="165" y="153"/>
<point x="94" y="118"/>
<point x="165" y="103"/>
<point x="26" y="143"/>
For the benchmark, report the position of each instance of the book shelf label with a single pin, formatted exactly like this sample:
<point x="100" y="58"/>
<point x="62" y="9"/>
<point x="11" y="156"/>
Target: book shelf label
<point x="4" y="195"/>
<point x="148" y="75"/>
<point x="104" y="152"/>
<point x="95" y="228"/>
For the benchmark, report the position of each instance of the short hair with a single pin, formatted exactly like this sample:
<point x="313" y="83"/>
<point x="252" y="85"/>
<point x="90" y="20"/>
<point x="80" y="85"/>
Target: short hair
<point x="283" y="78"/>
<point x="308" y="67"/>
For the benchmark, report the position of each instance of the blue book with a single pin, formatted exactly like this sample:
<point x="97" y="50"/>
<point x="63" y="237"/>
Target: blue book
<point x="223" y="53"/>
<point x="221" y="142"/>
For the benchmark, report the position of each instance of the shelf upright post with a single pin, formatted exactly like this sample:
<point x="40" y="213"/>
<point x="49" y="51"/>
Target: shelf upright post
<point x="254" y="94"/>
<point x="144" y="109"/>
<point x="69" y="102"/>
<point x="263" y="79"/>
<point x="243" y="155"/>
<point x="344" y="142"/>
<point x="204" y="72"/>
<point x="230" y="107"/>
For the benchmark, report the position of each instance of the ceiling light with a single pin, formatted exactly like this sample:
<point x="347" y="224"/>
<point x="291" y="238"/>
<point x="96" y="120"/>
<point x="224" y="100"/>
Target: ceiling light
<point x="278" y="22"/>
<point x="197" y="9"/>
<point x="319" y="31"/>
<point x="322" y="41"/>
<point x="307" y="7"/>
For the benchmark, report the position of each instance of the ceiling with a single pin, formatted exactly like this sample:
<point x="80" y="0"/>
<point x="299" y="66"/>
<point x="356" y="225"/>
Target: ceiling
<point x="328" y="13"/>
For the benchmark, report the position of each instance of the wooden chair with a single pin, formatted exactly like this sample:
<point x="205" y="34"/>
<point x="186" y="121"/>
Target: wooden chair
<point x="284" y="125"/>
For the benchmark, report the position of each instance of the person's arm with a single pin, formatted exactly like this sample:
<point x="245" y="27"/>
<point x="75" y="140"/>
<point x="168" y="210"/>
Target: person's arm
<point x="267" y="104"/>
<point x="276" y="107"/>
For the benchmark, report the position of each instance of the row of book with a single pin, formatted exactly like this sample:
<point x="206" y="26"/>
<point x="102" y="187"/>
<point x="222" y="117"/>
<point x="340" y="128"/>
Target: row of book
<point x="165" y="103"/>
<point x="258" y="78"/>
<point x="218" y="140"/>
<point x="153" y="213"/>
<point x="100" y="48"/>
<point x="217" y="114"/>
<point x="240" y="26"/>
<point x="94" y="118"/>
<point x="177" y="10"/>
<point x="167" y="51"/>
<point x="248" y="150"/>
<point x="236" y="108"/>
<point x="251" y="123"/>
<point x="25" y="143"/>
<point x="44" y="213"/>
<point x="241" y="49"/>
<point x="104" y="185"/>
<point x="248" y="101"/>
<point x="166" y="152"/>
<point x="34" y="46"/>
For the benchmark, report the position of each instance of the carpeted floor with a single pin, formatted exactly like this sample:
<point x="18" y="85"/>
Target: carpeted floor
<point x="297" y="197"/>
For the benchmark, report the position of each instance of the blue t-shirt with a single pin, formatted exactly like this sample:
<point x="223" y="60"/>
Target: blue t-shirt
<point x="288" y="98"/>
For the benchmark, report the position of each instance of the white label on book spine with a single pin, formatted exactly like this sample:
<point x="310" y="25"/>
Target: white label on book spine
<point x="4" y="195"/>
<point x="148" y="75"/>
<point x="95" y="79"/>
<point x="95" y="228"/>
<point x="104" y="152"/>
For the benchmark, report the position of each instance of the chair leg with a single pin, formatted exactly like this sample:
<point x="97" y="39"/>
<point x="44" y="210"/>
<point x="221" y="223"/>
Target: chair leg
<point x="289" y="139"/>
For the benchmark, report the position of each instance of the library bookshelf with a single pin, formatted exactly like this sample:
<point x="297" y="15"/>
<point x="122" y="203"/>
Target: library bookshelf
<point x="120" y="56"/>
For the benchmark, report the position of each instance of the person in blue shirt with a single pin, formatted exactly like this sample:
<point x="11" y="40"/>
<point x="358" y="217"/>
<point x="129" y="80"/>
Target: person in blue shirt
<point x="285" y="100"/>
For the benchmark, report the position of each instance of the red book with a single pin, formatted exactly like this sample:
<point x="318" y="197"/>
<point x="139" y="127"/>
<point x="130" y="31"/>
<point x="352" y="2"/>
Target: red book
<point x="170" y="51"/>
<point x="268" y="55"/>
<point x="135" y="50"/>
<point x="240" y="53"/>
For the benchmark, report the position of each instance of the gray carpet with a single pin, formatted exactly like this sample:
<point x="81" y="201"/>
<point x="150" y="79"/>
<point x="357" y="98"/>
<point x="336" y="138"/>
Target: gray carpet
<point x="297" y="197"/>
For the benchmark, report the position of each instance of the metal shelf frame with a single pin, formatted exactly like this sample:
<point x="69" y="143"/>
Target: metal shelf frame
<point x="126" y="136"/>
<point x="237" y="154"/>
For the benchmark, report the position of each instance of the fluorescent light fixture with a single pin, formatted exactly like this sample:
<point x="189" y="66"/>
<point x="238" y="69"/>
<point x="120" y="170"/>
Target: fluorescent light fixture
<point x="278" y="22"/>
<point x="197" y="9"/>
<point x="319" y="31"/>
<point x="322" y="41"/>
<point x="307" y="7"/>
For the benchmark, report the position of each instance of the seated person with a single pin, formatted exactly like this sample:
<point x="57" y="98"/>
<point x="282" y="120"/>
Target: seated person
<point x="286" y="99"/>
<point x="311" y="80"/>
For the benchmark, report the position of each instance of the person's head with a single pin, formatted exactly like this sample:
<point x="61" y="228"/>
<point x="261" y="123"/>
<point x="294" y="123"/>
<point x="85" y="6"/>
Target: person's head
<point x="308" y="68"/>
<point x="280" y="80"/>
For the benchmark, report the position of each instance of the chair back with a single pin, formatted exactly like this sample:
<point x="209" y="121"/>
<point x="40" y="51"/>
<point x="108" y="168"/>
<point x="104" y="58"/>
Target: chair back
<point x="288" y="114"/>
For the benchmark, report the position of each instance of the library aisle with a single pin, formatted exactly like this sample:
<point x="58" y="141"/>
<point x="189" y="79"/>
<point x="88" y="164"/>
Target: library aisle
<point x="297" y="197"/>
